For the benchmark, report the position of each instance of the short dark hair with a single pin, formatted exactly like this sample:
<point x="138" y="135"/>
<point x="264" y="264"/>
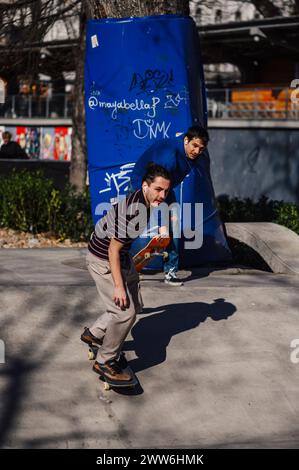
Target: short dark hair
<point x="198" y="132"/>
<point x="153" y="170"/>
<point x="6" y="135"/>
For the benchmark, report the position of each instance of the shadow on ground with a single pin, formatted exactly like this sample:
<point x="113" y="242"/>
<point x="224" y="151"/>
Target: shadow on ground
<point x="152" y="334"/>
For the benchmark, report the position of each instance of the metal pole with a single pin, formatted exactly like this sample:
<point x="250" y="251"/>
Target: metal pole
<point x="30" y="106"/>
<point x="286" y="103"/>
<point x="13" y="106"/>
<point x="255" y="113"/>
<point x="47" y="106"/>
<point x="65" y="105"/>
<point x="226" y="101"/>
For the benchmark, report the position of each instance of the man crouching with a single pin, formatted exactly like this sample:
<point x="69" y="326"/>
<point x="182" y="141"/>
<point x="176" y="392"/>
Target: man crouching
<point x="111" y="266"/>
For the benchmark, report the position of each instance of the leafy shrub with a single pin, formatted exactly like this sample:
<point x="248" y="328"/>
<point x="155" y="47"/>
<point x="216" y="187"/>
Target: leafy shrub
<point x="30" y="203"/>
<point x="287" y="214"/>
<point x="264" y="210"/>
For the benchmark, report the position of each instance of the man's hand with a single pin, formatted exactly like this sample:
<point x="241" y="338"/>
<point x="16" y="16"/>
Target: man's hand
<point x="120" y="298"/>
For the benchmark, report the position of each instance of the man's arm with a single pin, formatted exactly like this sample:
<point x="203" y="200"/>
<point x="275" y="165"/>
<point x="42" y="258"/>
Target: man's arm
<point x="120" y="295"/>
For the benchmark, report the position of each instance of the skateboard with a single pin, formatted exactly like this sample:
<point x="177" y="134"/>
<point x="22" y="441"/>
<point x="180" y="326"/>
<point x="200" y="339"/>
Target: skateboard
<point x="155" y="247"/>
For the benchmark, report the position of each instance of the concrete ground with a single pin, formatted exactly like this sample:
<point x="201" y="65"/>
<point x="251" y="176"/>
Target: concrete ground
<point x="213" y="358"/>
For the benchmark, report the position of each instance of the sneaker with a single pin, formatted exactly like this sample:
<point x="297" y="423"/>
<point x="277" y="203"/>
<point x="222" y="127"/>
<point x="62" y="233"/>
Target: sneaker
<point x="88" y="338"/>
<point x="172" y="279"/>
<point x="112" y="370"/>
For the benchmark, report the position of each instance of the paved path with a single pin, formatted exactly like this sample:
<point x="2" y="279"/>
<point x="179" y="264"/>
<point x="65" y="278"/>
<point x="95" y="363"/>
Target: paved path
<point x="213" y="359"/>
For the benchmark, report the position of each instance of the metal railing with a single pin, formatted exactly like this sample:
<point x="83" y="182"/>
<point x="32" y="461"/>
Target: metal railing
<point x="252" y="103"/>
<point x="30" y="106"/>
<point x="227" y="103"/>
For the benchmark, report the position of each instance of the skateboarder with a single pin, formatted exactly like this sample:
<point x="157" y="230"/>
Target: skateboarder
<point x="179" y="156"/>
<point x="112" y="268"/>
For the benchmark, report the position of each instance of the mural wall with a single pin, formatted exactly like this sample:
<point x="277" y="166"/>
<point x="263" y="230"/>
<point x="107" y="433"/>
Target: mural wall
<point x="42" y="143"/>
<point x="151" y="89"/>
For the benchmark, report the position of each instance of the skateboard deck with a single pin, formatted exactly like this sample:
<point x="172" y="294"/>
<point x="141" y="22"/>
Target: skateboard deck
<point x="155" y="247"/>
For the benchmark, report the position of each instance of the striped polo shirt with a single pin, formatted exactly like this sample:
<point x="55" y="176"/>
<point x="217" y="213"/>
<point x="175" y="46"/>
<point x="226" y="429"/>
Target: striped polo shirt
<point x="119" y="223"/>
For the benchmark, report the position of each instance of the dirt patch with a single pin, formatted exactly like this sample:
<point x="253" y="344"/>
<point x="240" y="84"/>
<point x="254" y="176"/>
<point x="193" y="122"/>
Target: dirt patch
<point x="13" y="239"/>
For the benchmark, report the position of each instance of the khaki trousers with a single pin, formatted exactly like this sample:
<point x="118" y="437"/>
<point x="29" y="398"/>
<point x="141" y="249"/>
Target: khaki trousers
<point x="114" y="324"/>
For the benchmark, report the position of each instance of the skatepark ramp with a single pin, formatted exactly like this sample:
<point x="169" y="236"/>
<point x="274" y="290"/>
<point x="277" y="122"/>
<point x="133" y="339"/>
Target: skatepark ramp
<point x="277" y="245"/>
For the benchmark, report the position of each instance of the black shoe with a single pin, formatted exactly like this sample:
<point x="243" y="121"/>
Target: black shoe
<point x="172" y="279"/>
<point x="88" y="338"/>
<point x="112" y="371"/>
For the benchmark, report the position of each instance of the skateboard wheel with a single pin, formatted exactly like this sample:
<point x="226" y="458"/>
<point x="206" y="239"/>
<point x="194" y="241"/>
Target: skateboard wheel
<point x="147" y="255"/>
<point x="91" y="355"/>
<point x="106" y="386"/>
<point x="165" y="255"/>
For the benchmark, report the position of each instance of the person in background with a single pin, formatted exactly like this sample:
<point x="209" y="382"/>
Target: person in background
<point x="11" y="149"/>
<point x="178" y="156"/>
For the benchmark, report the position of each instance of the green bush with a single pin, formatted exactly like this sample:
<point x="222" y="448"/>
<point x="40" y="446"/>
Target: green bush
<point x="287" y="214"/>
<point x="24" y="201"/>
<point x="30" y="203"/>
<point x="73" y="219"/>
<point x="264" y="210"/>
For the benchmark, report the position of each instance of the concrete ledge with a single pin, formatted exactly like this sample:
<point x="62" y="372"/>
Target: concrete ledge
<point x="277" y="245"/>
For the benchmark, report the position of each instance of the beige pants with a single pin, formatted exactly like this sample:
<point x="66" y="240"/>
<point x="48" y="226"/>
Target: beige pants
<point x="114" y="324"/>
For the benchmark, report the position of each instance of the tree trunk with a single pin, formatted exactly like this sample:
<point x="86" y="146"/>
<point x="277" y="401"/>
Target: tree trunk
<point x="78" y="162"/>
<point x="113" y="9"/>
<point x="105" y="9"/>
